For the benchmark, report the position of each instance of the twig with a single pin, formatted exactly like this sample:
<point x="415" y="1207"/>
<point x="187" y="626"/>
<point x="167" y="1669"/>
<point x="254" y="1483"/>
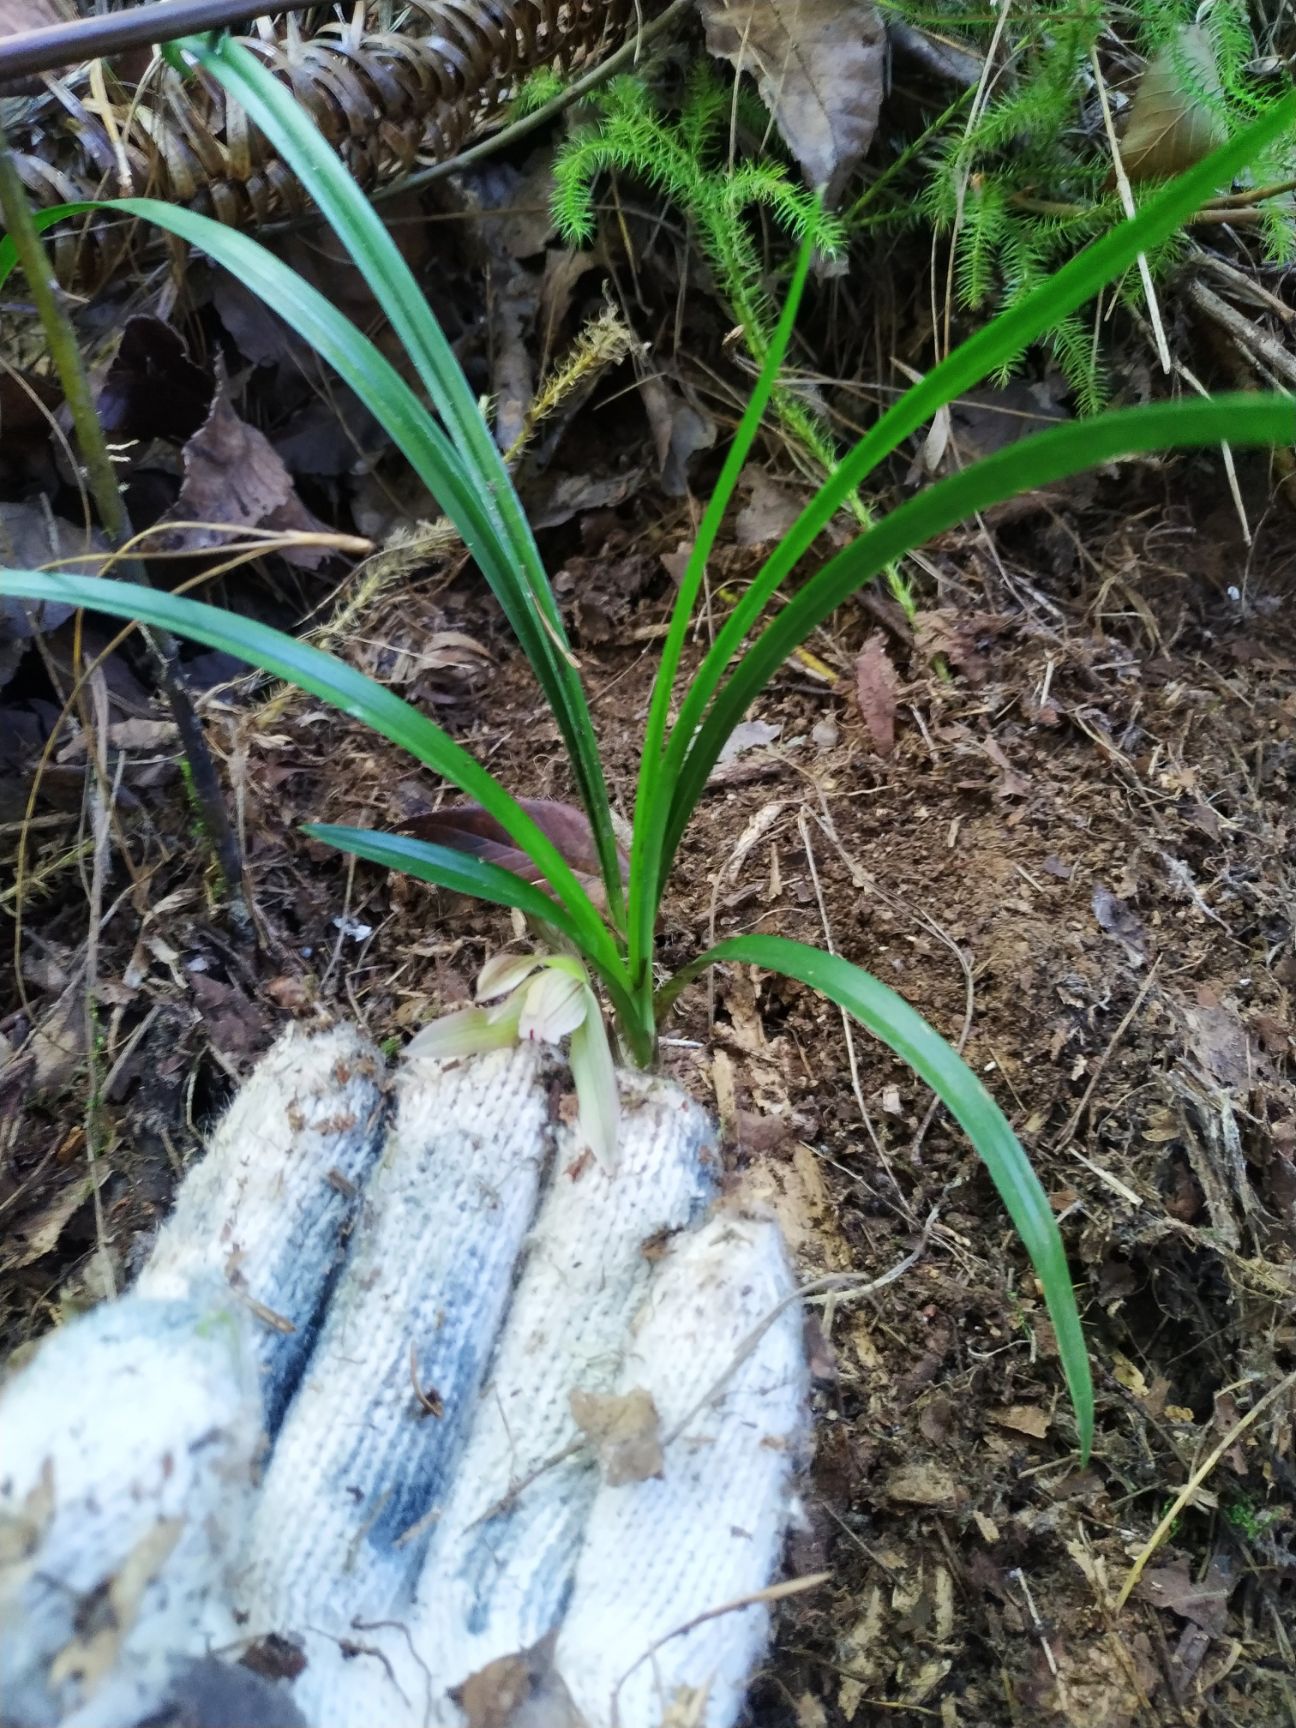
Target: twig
<point x="1230" y="468"/>
<point x="848" y="1028"/>
<point x="1257" y="343"/>
<point x="102" y="480"/>
<point x="1217" y="215"/>
<point x="1068" y="1133"/>
<point x="101" y="801"/>
<point x="1195" y="1481"/>
<point x="846" y="1284"/>
<point x="1127" y="204"/>
<point x="771" y="1593"/>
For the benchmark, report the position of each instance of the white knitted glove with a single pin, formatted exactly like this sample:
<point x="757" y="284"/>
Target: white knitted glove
<point x="427" y="1537"/>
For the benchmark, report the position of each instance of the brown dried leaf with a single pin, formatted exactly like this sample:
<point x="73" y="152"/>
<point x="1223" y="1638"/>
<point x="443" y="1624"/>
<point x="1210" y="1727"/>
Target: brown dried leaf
<point x="819" y="66"/>
<point x="1014" y="784"/>
<point x="32" y="1238"/>
<point x="1219" y="1041"/>
<point x="876" y="684"/>
<point x="1204" y="1601"/>
<point x="32" y="538"/>
<point x="1022" y="1419"/>
<point x="923" y="1484"/>
<point x="93" y="1652"/>
<point x="1120" y="920"/>
<point x="679" y="431"/>
<point x="625" y="1431"/>
<point x="747" y="735"/>
<point x="235" y="477"/>
<point x="467" y="828"/>
<point x="1170" y="127"/>
<point x="769" y="512"/>
<point x="235" y="1022"/>
<point x="521" y="1691"/>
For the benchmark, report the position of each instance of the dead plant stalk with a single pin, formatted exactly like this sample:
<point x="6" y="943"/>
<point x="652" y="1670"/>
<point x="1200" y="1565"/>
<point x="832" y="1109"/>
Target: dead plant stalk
<point x="102" y="480"/>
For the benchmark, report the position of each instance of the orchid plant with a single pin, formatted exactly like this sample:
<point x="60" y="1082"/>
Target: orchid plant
<point x="598" y="912"/>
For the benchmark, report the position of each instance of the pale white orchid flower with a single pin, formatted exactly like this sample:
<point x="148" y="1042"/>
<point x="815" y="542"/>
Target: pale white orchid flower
<point x="544" y="998"/>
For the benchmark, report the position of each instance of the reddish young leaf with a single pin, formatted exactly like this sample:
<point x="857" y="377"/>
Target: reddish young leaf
<point x="468" y="828"/>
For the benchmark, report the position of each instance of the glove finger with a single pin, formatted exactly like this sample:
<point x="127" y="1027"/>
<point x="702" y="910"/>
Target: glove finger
<point x="709" y="1530"/>
<point x="126" y="1453"/>
<point x="361" y="1457"/>
<point x="507" y="1540"/>
<point x="266" y="1211"/>
<point x="128" y="1442"/>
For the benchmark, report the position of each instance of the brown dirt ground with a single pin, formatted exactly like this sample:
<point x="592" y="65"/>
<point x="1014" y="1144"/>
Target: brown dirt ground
<point x="1078" y="861"/>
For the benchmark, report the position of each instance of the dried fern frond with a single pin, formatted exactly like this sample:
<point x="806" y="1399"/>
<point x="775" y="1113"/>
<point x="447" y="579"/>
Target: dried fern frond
<point x="390" y="87"/>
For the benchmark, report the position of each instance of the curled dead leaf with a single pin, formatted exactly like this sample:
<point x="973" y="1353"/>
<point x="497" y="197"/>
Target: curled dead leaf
<point x="819" y="66"/>
<point x="234" y="478"/>
<point x="1174" y="120"/>
<point x="469" y="829"/>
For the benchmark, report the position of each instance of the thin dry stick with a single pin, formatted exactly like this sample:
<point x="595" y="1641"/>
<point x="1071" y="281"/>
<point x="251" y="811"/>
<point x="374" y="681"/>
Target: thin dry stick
<point x="1258" y="344"/>
<point x="1230" y="467"/>
<point x="1068" y="1133"/>
<point x="101" y="801"/>
<point x="858" y="877"/>
<point x="1127" y="203"/>
<point x="979" y="101"/>
<point x="848" y="1029"/>
<point x="21" y="881"/>
<point x="771" y="1593"/>
<point x="1194" y="1482"/>
<point x="846" y="1284"/>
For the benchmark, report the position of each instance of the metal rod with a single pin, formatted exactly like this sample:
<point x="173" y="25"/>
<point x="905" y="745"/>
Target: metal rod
<point x="82" y="39"/>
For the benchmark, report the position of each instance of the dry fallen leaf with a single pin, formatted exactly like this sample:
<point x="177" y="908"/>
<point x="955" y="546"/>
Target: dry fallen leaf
<point x="819" y="66"/>
<point x="875" y="691"/>
<point x="31" y="1238"/>
<point x="624" y="1430"/>
<point x="1203" y="1601"/>
<point x="467" y="828"/>
<point x="234" y="477"/>
<point x="679" y="431"/>
<point x="686" y="1707"/>
<point x="32" y="538"/>
<point x="521" y="1691"/>
<point x="923" y="1484"/>
<point x="1170" y="125"/>
<point x="747" y="735"/>
<point x="1022" y="1419"/>
<point x="114" y="1607"/>
<point x="769" y="512"/>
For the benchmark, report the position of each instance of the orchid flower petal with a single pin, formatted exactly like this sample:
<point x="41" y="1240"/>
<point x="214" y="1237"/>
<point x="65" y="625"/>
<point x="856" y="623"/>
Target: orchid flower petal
<point x="594" y="1072"/>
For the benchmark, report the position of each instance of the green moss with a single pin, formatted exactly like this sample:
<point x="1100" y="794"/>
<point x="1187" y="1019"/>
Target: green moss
<point x="1026" y="184"/>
